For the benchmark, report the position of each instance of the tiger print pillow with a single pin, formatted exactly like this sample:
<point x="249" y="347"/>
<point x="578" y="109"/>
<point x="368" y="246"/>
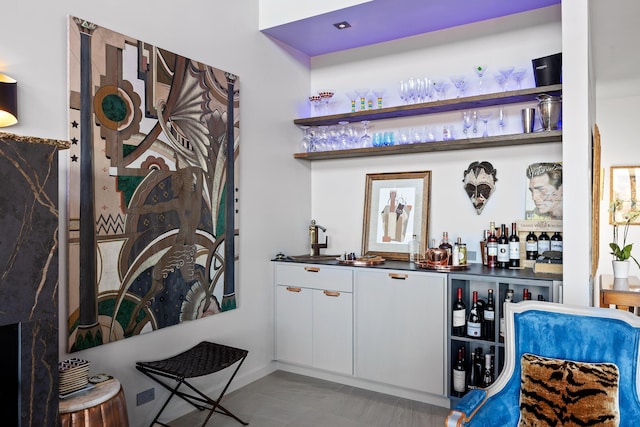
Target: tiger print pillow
<point x="557" y="392"/>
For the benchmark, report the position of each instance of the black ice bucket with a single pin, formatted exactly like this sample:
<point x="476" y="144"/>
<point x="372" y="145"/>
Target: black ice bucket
<point x="547" y="70"/>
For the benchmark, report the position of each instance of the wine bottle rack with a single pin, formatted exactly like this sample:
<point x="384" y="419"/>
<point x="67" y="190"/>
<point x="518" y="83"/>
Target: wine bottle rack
<point x="481" y="280"/>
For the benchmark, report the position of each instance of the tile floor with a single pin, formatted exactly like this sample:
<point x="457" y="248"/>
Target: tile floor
<point x="283" y="399"/>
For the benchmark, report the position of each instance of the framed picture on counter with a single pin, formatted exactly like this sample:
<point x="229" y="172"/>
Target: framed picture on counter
<point x="396" y="206"/>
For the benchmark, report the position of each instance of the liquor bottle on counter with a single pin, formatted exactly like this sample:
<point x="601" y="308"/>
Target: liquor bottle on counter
<point x="459" y="375"/>
<point x="459" y="315"/>
<point x="483" y="247"/>
<point x="540" y="297"/>
<point x="455" y="254"/>
<point x="507" y="299"/>
<point x="446" y="245"/>
<point x="462" y="252"/>
<point x="526" y="295"/>
<point x="489" y="317"/>
<point x="487" y="378"/>
<point x="514" y="247"/>
<point x="492" y="247"/>
<point x="556" y="242"/>
<point x="414" y="249"/>
<point x="544" y="243"/>
<point x="474" y="319"/>
<point x="532" y="246"/>
<point x="503" y="248"/>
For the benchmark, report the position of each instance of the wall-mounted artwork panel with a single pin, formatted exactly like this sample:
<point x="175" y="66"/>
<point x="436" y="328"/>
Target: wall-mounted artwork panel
<point x="152" y="187"/>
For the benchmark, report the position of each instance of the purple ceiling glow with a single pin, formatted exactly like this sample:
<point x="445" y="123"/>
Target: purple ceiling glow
<point x="383" y="20"/>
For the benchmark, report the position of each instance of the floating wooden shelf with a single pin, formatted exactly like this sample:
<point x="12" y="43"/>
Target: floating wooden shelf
<point x="424" y="147"/>
<point x="455" y="104"/>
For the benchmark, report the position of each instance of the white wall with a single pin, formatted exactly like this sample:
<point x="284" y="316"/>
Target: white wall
<point x="338" y="185"/>
<point x="278" y="12"/>
<point x="274" y="189"/>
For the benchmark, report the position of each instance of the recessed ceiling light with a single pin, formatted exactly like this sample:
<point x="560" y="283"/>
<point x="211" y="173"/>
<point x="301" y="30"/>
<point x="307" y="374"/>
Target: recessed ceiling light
<point x="342" y="25"/>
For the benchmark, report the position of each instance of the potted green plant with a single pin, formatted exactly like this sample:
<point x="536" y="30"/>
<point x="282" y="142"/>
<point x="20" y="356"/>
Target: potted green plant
<point x="621" y="252"/>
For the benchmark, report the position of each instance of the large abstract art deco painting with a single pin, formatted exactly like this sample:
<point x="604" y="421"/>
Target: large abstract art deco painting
<point x="152" y="187"/>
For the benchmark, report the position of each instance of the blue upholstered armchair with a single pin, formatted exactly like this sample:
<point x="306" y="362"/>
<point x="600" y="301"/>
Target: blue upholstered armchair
<point x="602" y="342"/>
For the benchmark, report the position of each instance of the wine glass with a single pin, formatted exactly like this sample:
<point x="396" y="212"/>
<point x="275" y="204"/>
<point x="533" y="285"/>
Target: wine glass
<point x="506" y="73"/>
<point x="365" y="139"/>
<point x="467" y="122"/>
<point x="306" y="138"/>
<point x="404" y="89"/>
<point x="474" y="120"/>
<point x="378" y="93"/>
<point x="459" y="81"/>
<point x="315" y="103"/>
<point x="518" y="75"/>
<point x="344" y="139"/>
<point x="325" y="96"/>
<point x="352" y="100"/>
<point x="480" y="70"/>
<point x="485" y="116"/>
<point x="411" y="89"/>
<point x="362" y="93"/>
<point x="501" y="119"/>
<point x="428" y="89"/>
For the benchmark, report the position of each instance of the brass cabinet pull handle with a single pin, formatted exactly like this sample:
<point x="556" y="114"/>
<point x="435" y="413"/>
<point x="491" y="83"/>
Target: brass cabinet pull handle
<point x="292" y="289"/>
<point x="398" y="276"/>
<point x="312" y="269"/>
<point x="332" y="294"/>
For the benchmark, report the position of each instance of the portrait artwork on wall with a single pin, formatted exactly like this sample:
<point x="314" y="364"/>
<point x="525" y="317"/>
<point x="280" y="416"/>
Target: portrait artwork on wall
<point x="396" y="208"/>
<point x="544" y="191"/>
<point x="152" y="187"/>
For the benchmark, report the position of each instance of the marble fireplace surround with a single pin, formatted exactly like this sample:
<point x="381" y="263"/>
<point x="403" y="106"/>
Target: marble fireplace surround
<point x="29" y="278"/>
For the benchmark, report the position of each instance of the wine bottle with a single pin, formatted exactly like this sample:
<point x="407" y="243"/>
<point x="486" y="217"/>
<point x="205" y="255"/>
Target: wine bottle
<point x="459" y="315"/>
<point x="492" y="247"/>
<point x="556" y="242"/>
<point x="489" y="317"/>
<point x="478" y="366"/>
<point x="472" y="378"/>
<point x="446" y="245"/>
<point x="507" y="299"/>
<point x="532" y="246"/>
<point x="514" y="247"/>
<point x="474" y="325"/>
<point x="487" y="378"/>
<point x="544" y="243"/>
<point x="414" y="249"/>
<point x="459" y="375"/>
<point x="526" y="295"/>
<point x="503" y="248"/>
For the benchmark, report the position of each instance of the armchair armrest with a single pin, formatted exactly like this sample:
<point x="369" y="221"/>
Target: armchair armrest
<point x="466" y="408"/>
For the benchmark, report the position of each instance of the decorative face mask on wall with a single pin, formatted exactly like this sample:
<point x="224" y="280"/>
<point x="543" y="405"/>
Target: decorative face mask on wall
<point x="479" y="182"/>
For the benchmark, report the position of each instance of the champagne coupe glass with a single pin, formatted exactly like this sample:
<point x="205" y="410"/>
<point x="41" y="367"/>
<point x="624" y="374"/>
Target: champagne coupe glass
<point x="459" y="81"/>
<point x="325" y="96"/>
<point x="362" y="93"/>
<point x="518" y="75"/>
<point x="485" y="116"/>
<point x="467" y="122"/>
<point x="506" y="73"/>
<point x="315" y="103"/>
<point x="378" y="93"/>
<point x="501" y="119"/>
<point x="480" y="70"/>
<point x="352" y="100"/>
<point x="365" y="139"/>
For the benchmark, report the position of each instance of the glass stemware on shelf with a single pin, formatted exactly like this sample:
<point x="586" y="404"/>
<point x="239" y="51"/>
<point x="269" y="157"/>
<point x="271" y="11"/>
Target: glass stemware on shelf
<point x="315" y="104"/>
<point x="403" y="90"/>
<point x="365" y="139"/>
<point x="362" y="95"/>
<point x="506" y="73"/>
<point x="502" y="118"/>
<point x="485" y="116"/>
<point x="352" y="100"/>
<point x="518" y="75"/>
<point x="467" y="122"/>
<point x="325" y="96"/>
<point x="480" y="70"/>
<point x="307" y="138"/>
<point x="378" y="93"/>
<point x="440" y="87"/>
<point x="460" y="83"/>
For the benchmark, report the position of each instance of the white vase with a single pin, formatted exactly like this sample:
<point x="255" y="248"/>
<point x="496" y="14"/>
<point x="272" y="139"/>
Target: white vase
<point x="620" y="269"/>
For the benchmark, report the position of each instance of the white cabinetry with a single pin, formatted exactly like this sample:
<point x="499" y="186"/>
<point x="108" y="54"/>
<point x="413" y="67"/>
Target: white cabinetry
<point x="400" y="324"/>
<point x="314" y="316"/>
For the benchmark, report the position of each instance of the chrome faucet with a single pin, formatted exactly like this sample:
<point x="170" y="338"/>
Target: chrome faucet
<point x="313" y="237"/>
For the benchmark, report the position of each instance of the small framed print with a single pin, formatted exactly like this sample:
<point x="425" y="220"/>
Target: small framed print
<point x="396" y="207"/>
<point x="624" y="195"/>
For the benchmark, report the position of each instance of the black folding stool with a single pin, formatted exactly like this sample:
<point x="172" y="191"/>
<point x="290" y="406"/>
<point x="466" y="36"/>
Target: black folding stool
<point x="203" y="359"/>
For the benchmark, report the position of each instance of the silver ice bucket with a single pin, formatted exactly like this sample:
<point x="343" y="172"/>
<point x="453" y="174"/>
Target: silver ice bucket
<point x="550" y="111"/>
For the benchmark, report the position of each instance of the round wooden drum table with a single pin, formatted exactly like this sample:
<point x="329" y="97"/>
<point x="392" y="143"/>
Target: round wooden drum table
<point x="102" y="406"/>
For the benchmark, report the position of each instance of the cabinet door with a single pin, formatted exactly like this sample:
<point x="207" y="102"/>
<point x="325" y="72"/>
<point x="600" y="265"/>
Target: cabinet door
<point x="400" y="329"/>
<point x="293" y="324"/>
<point x="333" y="331"/>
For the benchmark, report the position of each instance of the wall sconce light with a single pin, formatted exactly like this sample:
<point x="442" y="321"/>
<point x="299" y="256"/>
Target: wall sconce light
<point x="8" y="101"/>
